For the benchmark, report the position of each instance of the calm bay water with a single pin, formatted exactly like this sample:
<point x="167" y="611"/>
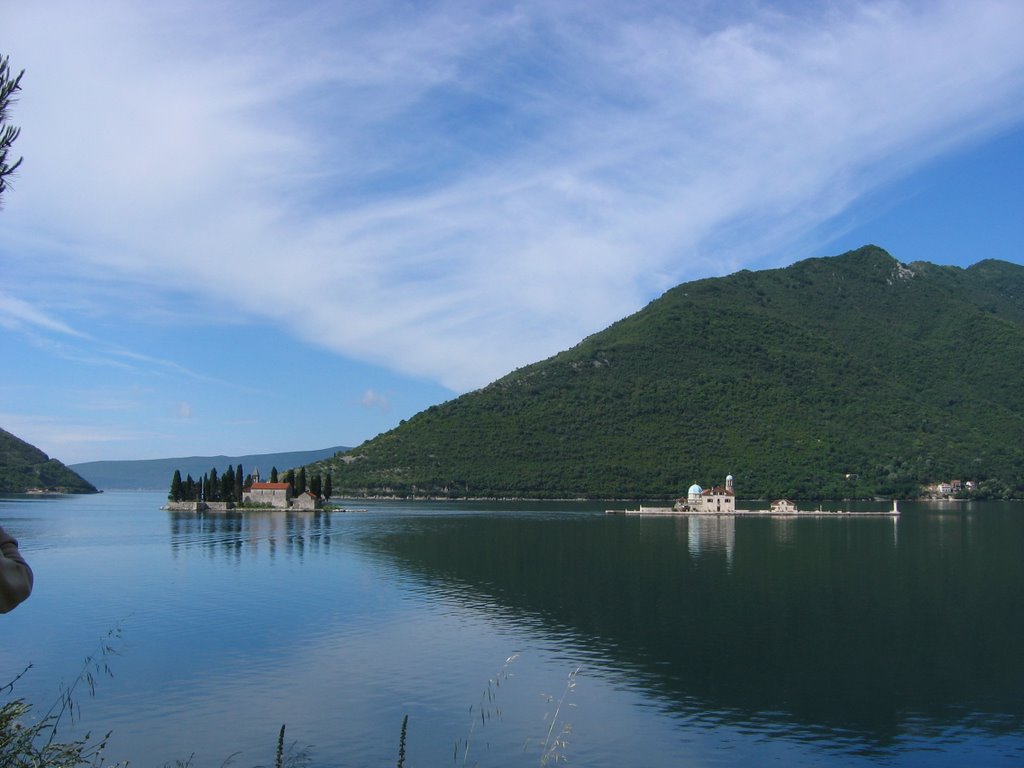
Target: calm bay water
<point x="706" y="642"/>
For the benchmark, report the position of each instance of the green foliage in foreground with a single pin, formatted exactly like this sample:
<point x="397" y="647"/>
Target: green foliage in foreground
<point x="10" y="84"/>
<point x="33" y="745"/>
<point x="24" y="467"/>
<point x="844" y="377"/>
<point x="28" y="744"/>
<point x="28" y="741"/>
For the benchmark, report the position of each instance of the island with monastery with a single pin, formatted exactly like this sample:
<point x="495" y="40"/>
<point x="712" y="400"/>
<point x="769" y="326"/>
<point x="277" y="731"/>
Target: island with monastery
<point x="231" y="491"/>
<point x="721" y="500"/>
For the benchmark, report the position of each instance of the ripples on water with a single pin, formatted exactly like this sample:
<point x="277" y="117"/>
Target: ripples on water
<point x="706" y="641"/>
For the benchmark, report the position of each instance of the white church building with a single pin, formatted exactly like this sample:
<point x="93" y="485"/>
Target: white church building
<point x="714" y="500"/>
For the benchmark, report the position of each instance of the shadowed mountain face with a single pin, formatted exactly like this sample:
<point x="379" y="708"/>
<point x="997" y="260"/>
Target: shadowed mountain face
<point x="839" y="377"/>
<point x="24" y="467"/>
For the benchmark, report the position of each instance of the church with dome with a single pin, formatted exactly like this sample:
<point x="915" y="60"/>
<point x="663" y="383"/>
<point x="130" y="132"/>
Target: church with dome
<point x="721" y="500"/>
<point x="714" y="500"/>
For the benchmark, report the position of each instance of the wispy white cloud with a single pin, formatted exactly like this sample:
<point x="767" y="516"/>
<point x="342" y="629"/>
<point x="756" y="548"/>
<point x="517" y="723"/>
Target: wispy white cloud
<point x="372" y="399"/>
<point x="48" y="333"/>
<point x="16" y="314"/>
<point x="453" y="190"/>
<point x="59" y="436"/>
<point x="110" y="399"/>
<point x="153" y="364"/>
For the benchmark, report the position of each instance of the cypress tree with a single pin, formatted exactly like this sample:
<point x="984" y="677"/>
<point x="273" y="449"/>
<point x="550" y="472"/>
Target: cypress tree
<point x="300" y="481"/>
<point x="328" y="489"/>
<point x="227" y="485"/>
<point x="273" y="474"/>
<point x="316" y="485"/>
<point x="175" y="494"/>
<point x="239" y="485"/>
<point x="289" y="477"/>
<point x="212" y="486"/>
<point x="190" y="488"/>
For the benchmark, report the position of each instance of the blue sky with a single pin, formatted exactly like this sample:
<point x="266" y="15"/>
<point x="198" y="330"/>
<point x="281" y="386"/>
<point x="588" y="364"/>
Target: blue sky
<point x="254" y="227"/>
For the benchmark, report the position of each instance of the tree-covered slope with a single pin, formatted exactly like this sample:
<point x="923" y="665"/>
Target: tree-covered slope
<point x="24" y="467"/>
<point x="836" y="377"/>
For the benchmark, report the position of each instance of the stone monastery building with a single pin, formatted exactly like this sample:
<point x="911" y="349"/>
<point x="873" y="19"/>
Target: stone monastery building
<point x="278" y="495"/>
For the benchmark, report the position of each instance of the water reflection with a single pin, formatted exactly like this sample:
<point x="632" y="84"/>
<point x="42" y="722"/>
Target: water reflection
<point x="254" y="532"/>
<point x="712" y="533"/>
<point x="846" y="628"/>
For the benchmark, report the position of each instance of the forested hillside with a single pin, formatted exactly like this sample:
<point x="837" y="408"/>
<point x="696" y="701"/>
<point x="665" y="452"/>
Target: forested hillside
<point x="24" y="467"/>
<point x="849" y="376"/>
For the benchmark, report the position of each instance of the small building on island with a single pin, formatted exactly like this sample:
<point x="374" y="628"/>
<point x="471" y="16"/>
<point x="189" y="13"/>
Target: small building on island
<point x="306" y="500"/>
<point x="277" y="495"/>
<point x="783" y="507"/>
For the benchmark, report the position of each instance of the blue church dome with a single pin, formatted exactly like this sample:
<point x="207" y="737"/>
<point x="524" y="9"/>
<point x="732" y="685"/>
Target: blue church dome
<point x="695" y="490"/>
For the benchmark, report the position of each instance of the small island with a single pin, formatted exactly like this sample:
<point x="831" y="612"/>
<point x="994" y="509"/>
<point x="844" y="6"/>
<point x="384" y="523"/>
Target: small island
<point x="234" y="490"/>
<point x="719" y="500"/>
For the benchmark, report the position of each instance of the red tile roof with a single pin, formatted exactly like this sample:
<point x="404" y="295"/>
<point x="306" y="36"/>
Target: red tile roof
<point x="271" y="486"/>
<point x="718" y="491"/>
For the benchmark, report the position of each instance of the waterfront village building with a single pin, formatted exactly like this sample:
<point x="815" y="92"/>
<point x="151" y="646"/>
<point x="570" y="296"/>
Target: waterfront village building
<point x="715" y="500"/>
<point x="946" y="489"/>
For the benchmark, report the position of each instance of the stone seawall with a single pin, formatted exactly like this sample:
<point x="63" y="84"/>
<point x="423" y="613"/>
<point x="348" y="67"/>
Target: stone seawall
<point x="186" y="506"/>
<point x="199" y="506"/>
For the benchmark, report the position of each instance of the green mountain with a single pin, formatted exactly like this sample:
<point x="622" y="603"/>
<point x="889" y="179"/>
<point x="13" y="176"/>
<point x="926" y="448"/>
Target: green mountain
<point x="24" y="467"/>
<point x="156" y="473"/>
<point x="850" y="376"/>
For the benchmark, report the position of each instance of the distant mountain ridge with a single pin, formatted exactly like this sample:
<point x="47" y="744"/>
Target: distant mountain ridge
<point x="24" y="468"/>
<point x="839" y="377"/>
<point x="152" y="474"/>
